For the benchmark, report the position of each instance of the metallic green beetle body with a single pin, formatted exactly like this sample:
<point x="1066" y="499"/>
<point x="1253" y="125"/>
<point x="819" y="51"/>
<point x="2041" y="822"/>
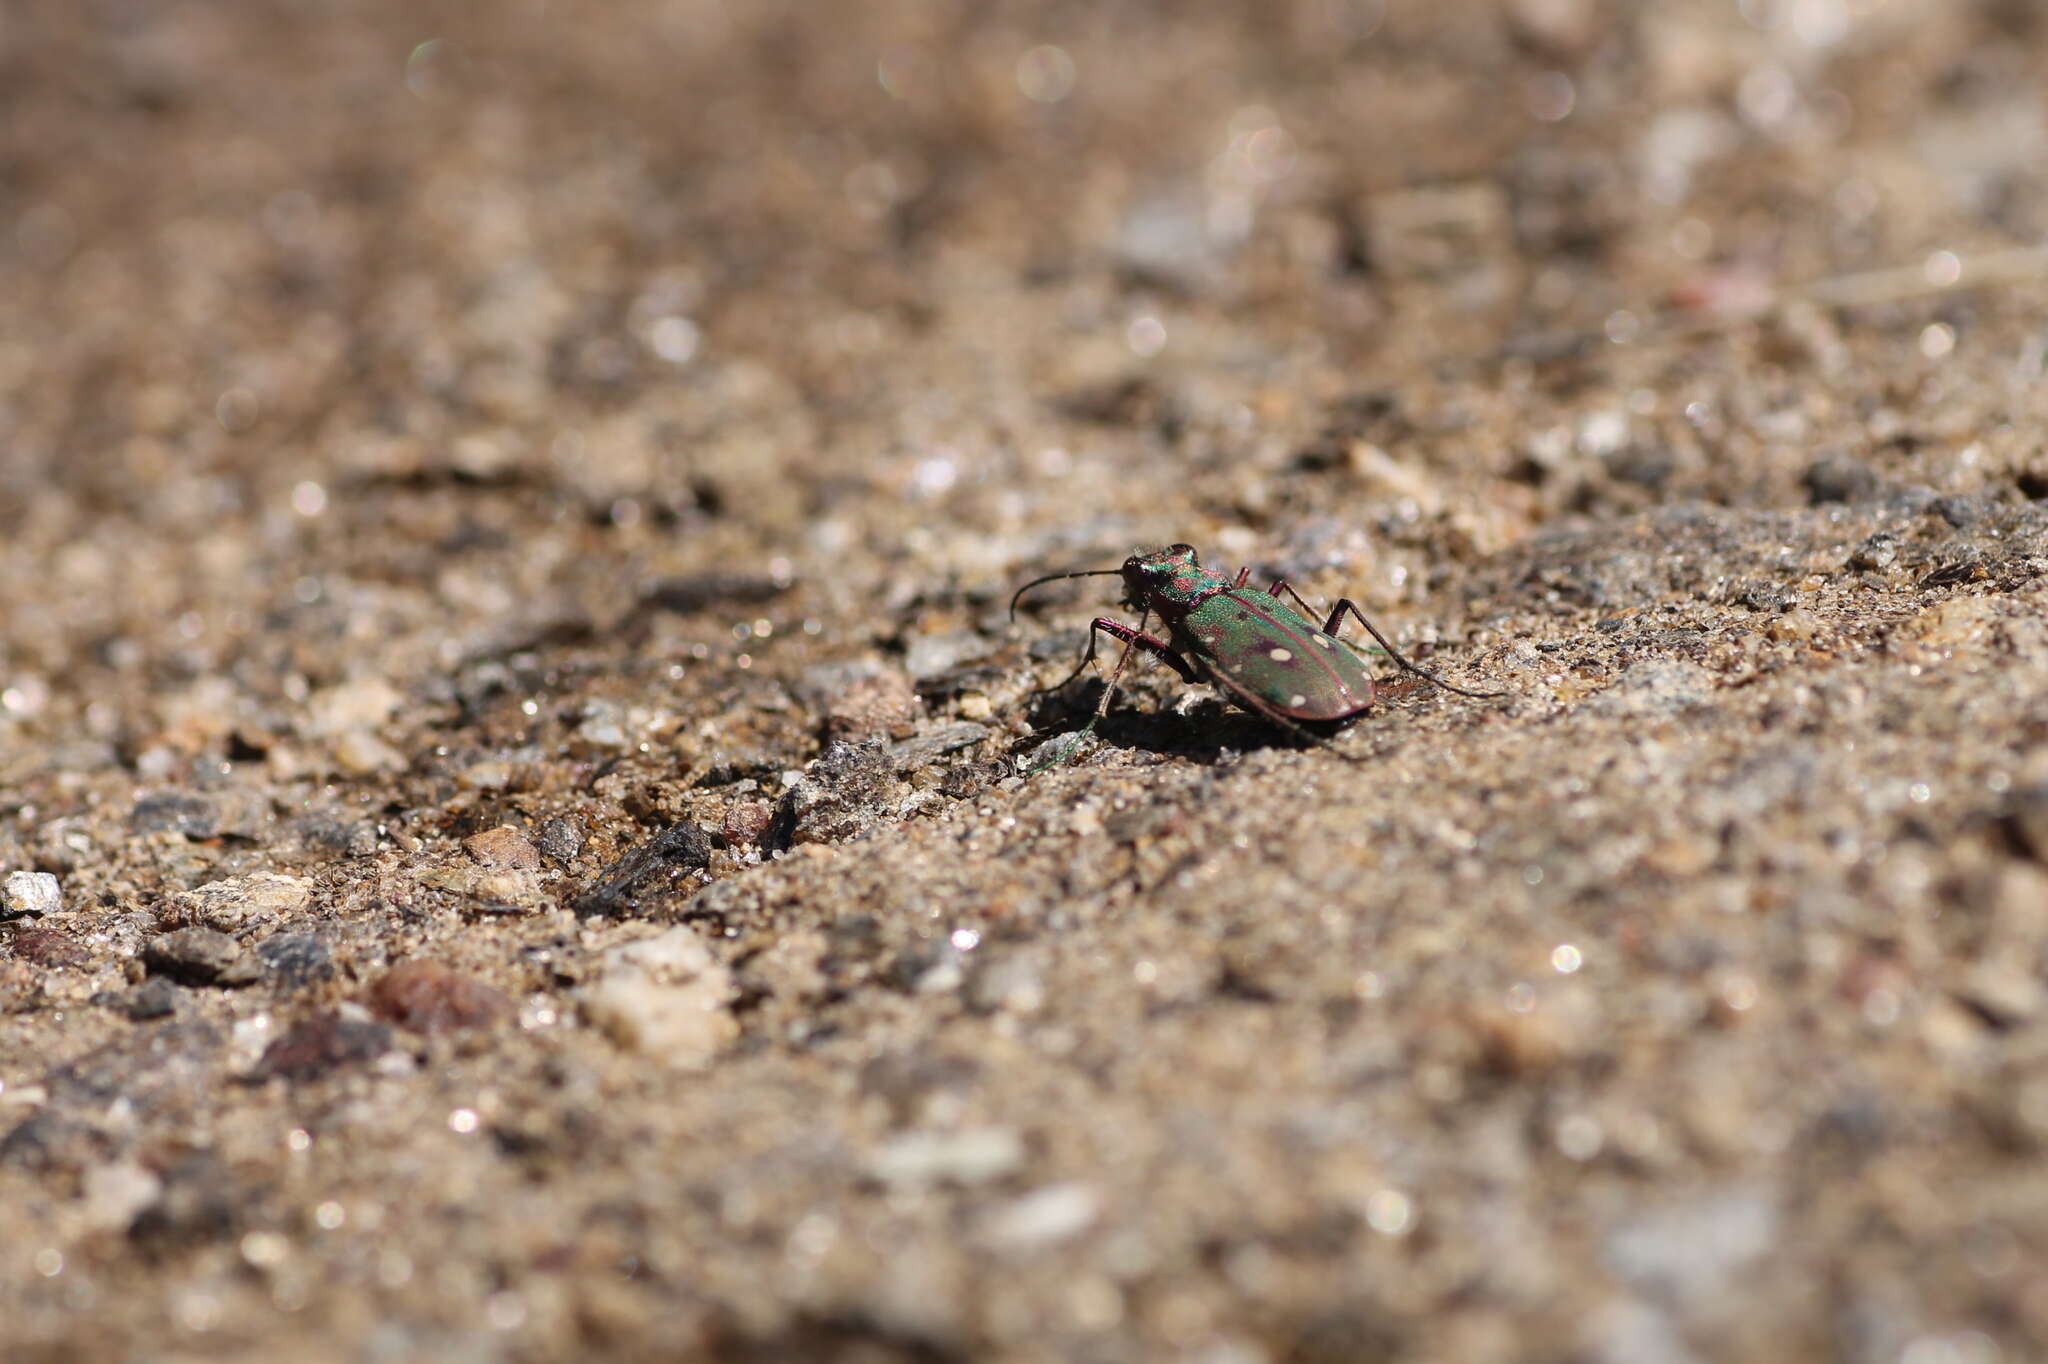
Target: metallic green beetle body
<point x="1271" y="659"/>
<point x="1261" y="647"/>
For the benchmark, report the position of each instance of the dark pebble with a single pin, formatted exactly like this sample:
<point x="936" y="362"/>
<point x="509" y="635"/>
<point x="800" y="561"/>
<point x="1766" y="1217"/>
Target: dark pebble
<point x="175" y="812"/>
<point x="322" y="1043"/>
<point x="154" y="998"/>
<point x="201" y="1202"/>
<point x="296" y="958"/>
<point x="663" y="867"/>
<point x="560" y="840"/>
<point x="54" y="1140"/>
<point x="427" y="997"/>
<point x="2026" y="817"/>
<point x="338" y="837"/>
<point x="1839" y="477"/>
<point x="200" y="956"/>
<point x="1960" y="512"/>
<point x="687" y="596"/>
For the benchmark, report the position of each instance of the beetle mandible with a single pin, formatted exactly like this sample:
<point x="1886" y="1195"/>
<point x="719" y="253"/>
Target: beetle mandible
<point x="1266" y="655"/>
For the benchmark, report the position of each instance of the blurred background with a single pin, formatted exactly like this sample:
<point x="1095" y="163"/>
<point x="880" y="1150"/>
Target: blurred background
<point x="1050" y="275"/>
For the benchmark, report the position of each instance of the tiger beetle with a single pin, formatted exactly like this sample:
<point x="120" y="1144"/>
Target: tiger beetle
<point x="1267" y="656"/>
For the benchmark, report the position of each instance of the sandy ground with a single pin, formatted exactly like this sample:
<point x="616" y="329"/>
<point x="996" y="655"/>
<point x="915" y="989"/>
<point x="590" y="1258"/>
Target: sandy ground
<point x="514" y="837"/>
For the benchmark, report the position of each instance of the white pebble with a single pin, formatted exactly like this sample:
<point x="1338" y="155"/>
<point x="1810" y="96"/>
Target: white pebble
<point x="975" y="1156"/>
<point x="30" y="892"/>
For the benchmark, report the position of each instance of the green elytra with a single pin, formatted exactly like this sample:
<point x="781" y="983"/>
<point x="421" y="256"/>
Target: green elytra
<point x="1265" y="654"/>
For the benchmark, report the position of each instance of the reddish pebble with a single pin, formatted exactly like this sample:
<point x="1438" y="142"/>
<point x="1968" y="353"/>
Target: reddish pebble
<point x="746" y="822"/>
<point x="320" y="1044"/>
<point x="503" y="846"/>
<point x="425" y="996"/>
<point x="47" y="947"/>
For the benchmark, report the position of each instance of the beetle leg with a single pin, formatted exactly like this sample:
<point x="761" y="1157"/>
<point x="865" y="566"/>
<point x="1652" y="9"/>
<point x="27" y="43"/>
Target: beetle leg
<point x="1138" y="639"/>
<point x="1132" y="639"/>
<point x="1243" y="576"/>
<point x="1337" y="618"/>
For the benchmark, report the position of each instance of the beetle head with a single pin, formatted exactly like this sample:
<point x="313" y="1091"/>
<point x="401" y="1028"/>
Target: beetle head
<point x="1151" y="572"/>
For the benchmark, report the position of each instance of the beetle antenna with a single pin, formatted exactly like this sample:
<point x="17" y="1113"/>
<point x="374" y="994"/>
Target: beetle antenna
<point x="1055" y="577"/>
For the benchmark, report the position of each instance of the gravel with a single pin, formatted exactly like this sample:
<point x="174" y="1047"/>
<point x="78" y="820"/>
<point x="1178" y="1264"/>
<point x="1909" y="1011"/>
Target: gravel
<point x="526" y="829"/>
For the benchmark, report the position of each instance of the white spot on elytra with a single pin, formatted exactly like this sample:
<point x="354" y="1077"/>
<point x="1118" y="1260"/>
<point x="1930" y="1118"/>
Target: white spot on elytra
<point x="1323" y="640"/>
<point x="1280" y="655"/>
<point x="1297" y="700"/>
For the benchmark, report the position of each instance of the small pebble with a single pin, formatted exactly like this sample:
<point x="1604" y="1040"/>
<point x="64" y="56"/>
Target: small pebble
<point x="234" y="904"/>
<point x="116" y="1192"/>
<point x="841" y="796"/>
<point x="503" y="846"/>
<point x="199" y="956"/>
<point x="1006" y="984"/>
<point x="236" y="812"/>
<point x="561" y="839"/>
<point x="176" y="812"/>
<point x="360" y="705"/>
<point x="296" y="958"/>
<point x="328" y="833"/>
<point x="1656" y="686"/>
<point x="30" y="892"/>
<point x="666" y="997"/>
<point x="976" y="1156"/>
<point x="428" y="997"/>
<point x="2003" y="992"/>
<point x="47" y="947"/>
<point x="491" y="775"/>
<point x="154" y="998"/>
<point x="746" y="822"/>
<point x="930" y="655"/>
<point x="872" y="708"/>
<point x="320" y="1044"/>
<point x="1042" y="1218"/>
<point x="360" y="753"/>
<point x="2027" y="814"/>
<point x="1840" y="477"/>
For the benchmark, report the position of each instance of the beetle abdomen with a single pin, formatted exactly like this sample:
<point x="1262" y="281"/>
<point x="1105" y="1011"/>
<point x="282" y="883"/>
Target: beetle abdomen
<point x="1274" y="654"/>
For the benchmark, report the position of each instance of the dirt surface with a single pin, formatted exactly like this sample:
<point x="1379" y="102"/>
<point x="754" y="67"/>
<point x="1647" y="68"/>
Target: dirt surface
<point x="513" y="827"/>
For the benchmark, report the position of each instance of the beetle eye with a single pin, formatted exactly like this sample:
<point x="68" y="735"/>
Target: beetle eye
<point x="1183" y="552"/>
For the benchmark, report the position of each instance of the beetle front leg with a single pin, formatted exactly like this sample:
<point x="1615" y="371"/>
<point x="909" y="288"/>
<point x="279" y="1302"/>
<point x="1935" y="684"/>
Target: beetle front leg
<point x="1061" y="749"/>
<point x="1134" y="639"/>
<point x="1116" y="629"/>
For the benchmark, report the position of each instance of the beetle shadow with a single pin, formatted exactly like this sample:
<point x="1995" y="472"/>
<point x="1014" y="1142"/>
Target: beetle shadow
<point x="1204" y="733"/>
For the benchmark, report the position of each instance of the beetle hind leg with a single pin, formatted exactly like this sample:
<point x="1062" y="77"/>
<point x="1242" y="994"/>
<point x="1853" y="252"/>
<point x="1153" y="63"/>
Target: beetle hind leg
<point x="1401" y="661"/>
